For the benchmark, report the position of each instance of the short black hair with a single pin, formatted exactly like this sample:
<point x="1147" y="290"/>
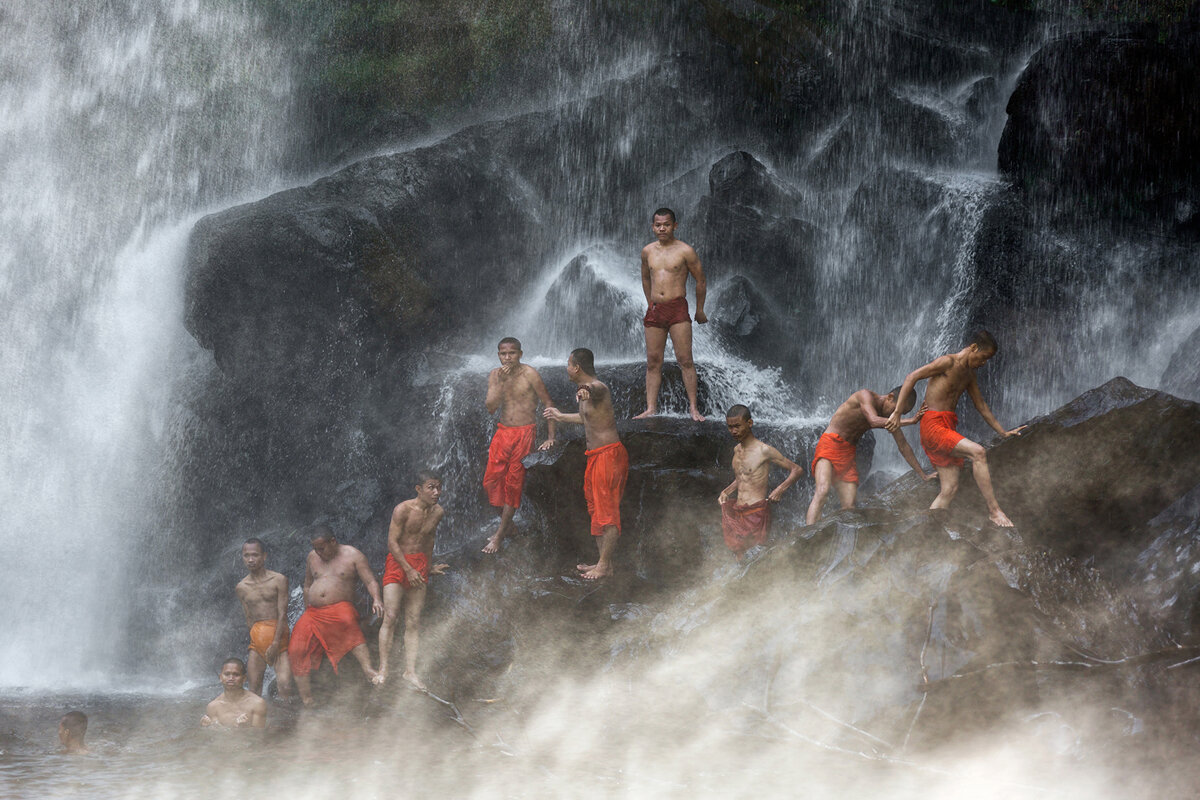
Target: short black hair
<point x="585" y="360"/>
<point x="76" y="724"/>
<point x="321" y="531"/>
<point x="428" y="475"/>
<point x="984" y="341"/>
<point x="509" y="340"/>
<point x="233" y="660"/>
<point x="257" y="541"/>
<point x="663" y="212"/>
<point x="738" y="411"/>
<point x="912" y="401"/>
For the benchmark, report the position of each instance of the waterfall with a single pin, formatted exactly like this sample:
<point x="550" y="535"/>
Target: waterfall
<point x="119" y="123"/>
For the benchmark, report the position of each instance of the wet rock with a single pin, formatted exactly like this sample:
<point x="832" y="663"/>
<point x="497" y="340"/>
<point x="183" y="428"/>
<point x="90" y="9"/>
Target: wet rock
<point x="1107" y="124"/>
<point x="1182" y="375"/>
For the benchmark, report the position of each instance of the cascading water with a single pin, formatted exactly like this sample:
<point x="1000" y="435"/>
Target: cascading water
<point x="120" y="122"/>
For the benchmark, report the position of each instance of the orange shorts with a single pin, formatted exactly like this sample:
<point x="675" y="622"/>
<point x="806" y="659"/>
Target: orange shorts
<point x="667" y="313"/>
<point x="324" y="630"/>
<point x="392" y="573"/>
<point x="838" y="452"/>
<point x="745" y="526"/>
<point x="603" y="485"/>
<point x="504" y="477"/>
<point x="262" y="636"/>
<point x="938" y="438"/>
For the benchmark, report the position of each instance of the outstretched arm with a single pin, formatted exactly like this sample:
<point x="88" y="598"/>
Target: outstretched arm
<point x="935" y="367"/>
<point x="554" y="415"/>
<point x="697" y="271"/>
<point x="910" y="456"/>
<point x="539" y="388"/>
<point x="985" y="412"/>
<point x="794" y="473"/>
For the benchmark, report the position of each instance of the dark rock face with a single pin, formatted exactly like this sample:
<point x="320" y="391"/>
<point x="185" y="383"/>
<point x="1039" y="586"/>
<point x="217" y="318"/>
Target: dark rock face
<point x="1182" y="376"/>
<point x="1108" y="122"/>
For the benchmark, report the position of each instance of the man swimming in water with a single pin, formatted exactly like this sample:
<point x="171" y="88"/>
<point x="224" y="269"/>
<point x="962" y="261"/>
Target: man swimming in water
<point x="235" y="707"/>
<point x="407" y="572"/>
<point x="834" y="458"/>
<point x="264" y="598"/>
<point x="666" y="264"/>
<point x="72" y="729"/>
<point x="607" y="462"/>
<point x="949" y="376"/>
<point x="514" y="389"/>
<point x="747" y="522"/>
<point x="329" y="625"/>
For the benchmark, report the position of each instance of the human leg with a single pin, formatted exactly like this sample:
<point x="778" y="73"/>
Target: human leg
<point x="983" y="479"/>
<point x="414" y="602"/>
<point x="823" y="476"/>
<point x="393" y="596"/>
<point x="681" y="341"/>
<point x="847" y="492"/>
<point x="656" y="344"/>
<point x="948" y="479"/>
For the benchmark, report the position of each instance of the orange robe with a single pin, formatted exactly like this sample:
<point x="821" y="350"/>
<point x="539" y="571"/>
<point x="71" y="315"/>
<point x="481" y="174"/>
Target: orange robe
<point x="603" y="485"/>
<point x="838" y="452"/>
<point x="262" y="636"/>
<point x="393" y="573"/>
<point x="745" y="526"/>
<point x="504" y="477"/>
<point x="324" y="630"/>
<point x="939" y="436"/>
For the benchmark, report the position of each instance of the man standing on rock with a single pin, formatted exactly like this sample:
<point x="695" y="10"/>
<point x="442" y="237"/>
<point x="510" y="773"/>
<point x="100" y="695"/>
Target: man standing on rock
<point x="515" y="389"/>
<point x="666" y="264"/>
<point x="406" y="573"/>
<point x="834" y="458"/>
<point x="747" y="522"/>
<point x="607" y="461"/>
<point x="329" y="624"/>
<point x="264" y="597"/>
<point x="949" y="376"/>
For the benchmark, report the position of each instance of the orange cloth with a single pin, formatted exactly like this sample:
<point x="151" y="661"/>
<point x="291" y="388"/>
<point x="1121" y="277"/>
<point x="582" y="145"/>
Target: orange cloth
<point x="667" y="313"/>
<point x="392" y="572"/>
<point x="745" y="526"/>
<point x="939" y="436"/>
<point x="331" y="630"/>
<point x="603" y="485"/>
<point x="504" y="477"/>
<point x="838" y="452"/>
<point x="262" y="636"/>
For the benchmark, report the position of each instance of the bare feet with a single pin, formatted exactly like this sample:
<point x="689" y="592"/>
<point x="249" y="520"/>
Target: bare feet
<point x="1000" y="519"/>
<point x="649" y="412"/>
<point x="696" y="415"/>
<point x="380" y="678"/>
<point x="493" y="544"/>
<point x="416" y="682"/>
<point x="595" y="571"/>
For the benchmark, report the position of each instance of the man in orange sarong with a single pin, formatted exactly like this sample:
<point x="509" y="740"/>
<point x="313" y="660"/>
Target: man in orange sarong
<point x="833" y="462"/>
<point x="329" y="625"/>
<point x="264" y="597"/>
<point x="949" y="376"/>
<point x="747" y="522"/>
<point x="514" y="389"/>
<point x="408" y="569"/>
<point x="607" y="460"/>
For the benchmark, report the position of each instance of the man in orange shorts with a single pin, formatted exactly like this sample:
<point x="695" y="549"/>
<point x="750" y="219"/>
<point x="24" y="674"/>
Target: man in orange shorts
<point x="406" y="573"/>
<point x="264" y="597"/>
<point x="747" y="522"/>
<point x="607" y="461"/>
<point x="329" y="625"/>
<point x="514" y="389"/>
<point x="666" y="264"/>
<point x="949" y="376"/>
<point x="834" y="457"/>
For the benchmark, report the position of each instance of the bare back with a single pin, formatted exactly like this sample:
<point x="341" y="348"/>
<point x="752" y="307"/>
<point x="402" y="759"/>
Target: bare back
<point x="951" y="376"/>
<point x="851" y="419"/>
<point x="412" y="528"/>
<point x="261" y="597"/>
<point x="666" y="268"/>
<point x="596" y="412"/>
<point x="332" y="581"/>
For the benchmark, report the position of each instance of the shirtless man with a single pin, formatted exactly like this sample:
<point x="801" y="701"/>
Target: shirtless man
<point x="72" y="729"/>
<point x="834" y="458"/>
<point x="329" y="624"/>
<point x="747" y="522"/>
<point x="235" y="707"/>
<point x="515" y="389"/>
<point x="666" y="264"/>
<point x="949" y="376"/>
<point x="264" y="597"/>
<point x="607" y="461"/>
<point x="406" y="574"/>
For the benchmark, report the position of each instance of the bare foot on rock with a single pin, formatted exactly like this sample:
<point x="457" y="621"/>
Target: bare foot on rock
<point x="649" y="412"/>
<point x="493" y="544"/>
<point x="416" y="682"/>
<point x="595" y="572"/>
<point x="1000" y="519"/>
<point x="697" y="416"/>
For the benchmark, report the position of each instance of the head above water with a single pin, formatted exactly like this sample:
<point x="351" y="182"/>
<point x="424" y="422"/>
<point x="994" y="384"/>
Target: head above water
<point x="237" y="662"/>
<point x="583" y="358"/>
<point x="72" y="727"/>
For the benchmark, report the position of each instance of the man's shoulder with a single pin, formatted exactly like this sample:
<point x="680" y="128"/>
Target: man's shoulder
<point x="276" y="577"/>
<point x="350" y="551"/>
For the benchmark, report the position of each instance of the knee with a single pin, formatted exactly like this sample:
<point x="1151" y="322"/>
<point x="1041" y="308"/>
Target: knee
<point x="389" y="618"/>
<point x="685" y="363"/>
<point x="977" y="454"/>
<point x="654" y="362"/>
